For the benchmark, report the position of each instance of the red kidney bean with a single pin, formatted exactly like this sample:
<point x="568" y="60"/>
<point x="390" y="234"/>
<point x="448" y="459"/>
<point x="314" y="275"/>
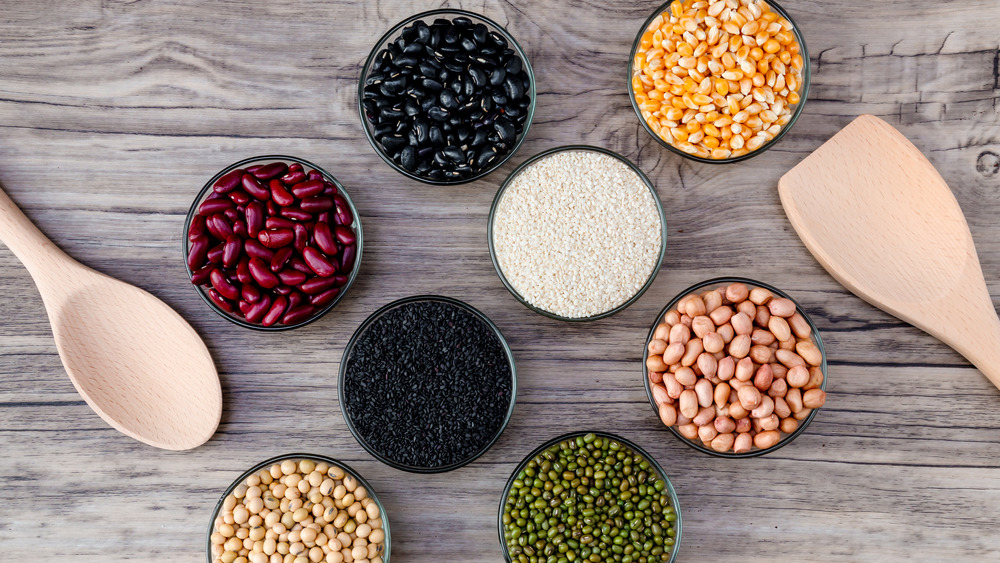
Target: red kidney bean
<point x="272" y="170"/>
<point x="255" y="218"/>
<point x="255" y="249"/>
<point x="219" y="226"/>
<point x="258" y="309"/>
<point x="295" y="299"/>
<point x="213" y="206"/>
<point x="345" y="235"/>
<point x="201" y="276"/>
<point x="228" y="182"/>
<point x="220" y="301"/>
<point x="262" y="224"/>
<point x="308" y="188"/>
<point x="344" y="215"/>
<point x="300" y="265"/>
<point x="275" y="311"/>
<point x="276" y="238"/>
<point x="253" y="187"/>
<point x="216" y="252"/>
<point x="316" y="204"/>
<point x="298" y="314"/>
<point x="250" y="293"/>
<point x="347" y="258"/>
<point x="293" y="177"/>
<point x="239" y="197"/>
<point x="243" y="270"/>
<point x="281" y="258"/>
<point x="323" y="238"/>
<point x="262" y="274"/>
<point x="197" y="228"/>
<point x="296" y="214"/>
<point x="280" y="195"/>
<point x="222" y="285"/>
<point x="318" y="263"/>
<point x="198" y="252"/>
<point x="318" y="285"/>
<point x="231" y="251"/>
<point x="291" y="277"/>
<point x="301" y="237"/>
<point x="324" y="298"/>
<point x="279" y="223"/>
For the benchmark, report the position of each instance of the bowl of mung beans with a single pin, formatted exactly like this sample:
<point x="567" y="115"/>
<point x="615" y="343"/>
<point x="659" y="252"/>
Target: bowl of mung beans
<point x="734" y="368"/>
<point x="718" y="81"/>
<point x="446" y="96"/>
<point x="577" y="233"/>
<point x="299" y="508"/>
<point x="589" y="496"/>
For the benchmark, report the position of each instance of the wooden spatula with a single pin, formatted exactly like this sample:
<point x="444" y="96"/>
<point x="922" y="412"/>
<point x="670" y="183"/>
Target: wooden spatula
<point x="134" y="360"/>
<point x="878" y="216"/>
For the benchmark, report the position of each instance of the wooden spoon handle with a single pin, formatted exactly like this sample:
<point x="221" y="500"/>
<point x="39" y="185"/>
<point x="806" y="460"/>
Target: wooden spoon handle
<point x="23" y="238"/>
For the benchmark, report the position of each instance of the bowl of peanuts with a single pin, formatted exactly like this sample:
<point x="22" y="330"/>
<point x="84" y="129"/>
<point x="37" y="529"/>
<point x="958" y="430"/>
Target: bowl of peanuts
<point x="718" y="81"/>
<point x="734" y="367"/>
<point x="299" y="508"/>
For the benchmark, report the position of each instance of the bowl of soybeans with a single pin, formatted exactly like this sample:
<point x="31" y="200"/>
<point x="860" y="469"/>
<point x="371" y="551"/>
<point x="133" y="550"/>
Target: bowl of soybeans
<point x="299" y="508"/>
<point x="718" y="81"/>
<point x="734" y="367"/>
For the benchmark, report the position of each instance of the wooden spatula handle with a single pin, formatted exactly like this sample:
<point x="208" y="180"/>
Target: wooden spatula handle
<point x="23" y="238"/>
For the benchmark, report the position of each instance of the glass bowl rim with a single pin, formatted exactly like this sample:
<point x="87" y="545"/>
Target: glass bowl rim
<point x="600" y="433"/>
<point x="806" y="81"/>
<point x="787" y="438"/>
<point x="207" y="189"/>
<point x="396" y="29"/>
<point x="544" y="154"/>
<point x="313" y="457"/>
<point x="363" y="327"/>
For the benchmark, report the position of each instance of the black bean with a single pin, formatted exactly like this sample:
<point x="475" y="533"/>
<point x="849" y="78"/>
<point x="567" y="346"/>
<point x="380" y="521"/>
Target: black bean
<point x="457" y="75"/>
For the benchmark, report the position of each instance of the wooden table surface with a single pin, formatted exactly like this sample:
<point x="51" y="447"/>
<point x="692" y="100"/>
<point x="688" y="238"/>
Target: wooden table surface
<point x="114" y="113"/>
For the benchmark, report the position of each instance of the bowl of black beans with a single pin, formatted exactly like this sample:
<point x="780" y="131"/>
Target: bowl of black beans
<point x="427" y="384"/>
<point x="446" y="96"/>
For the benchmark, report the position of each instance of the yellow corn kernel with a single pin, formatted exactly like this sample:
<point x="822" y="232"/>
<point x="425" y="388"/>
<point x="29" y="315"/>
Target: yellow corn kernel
<point x="736" y="142"/>
<point x="651" y="105"/>
<point x="793" y="98"/>
<point x="721" y="86"/>
<point x="678" y="102"/>
<point x="685" y="50"/>
<point x="797" y="62"/>
<point x="753" y="124"/>
<point x="733" y="105"/>
<point x="710" y="142"/>
<point x="721" y="153"/>
<point x="701" y="99"/>
<point x="723" y="122"/>
<point x="772" y="46"/>
<point x="696" y="137"/>
<point x="691" y="127"/>
<point x="756" y="53"/>
<point x="677" y="8"/>
<point x="755" y="143"/>
<point x="729" y="61"/>
<point x="792" y="82"/>
<point x="680" y="135"/>
<point x="733" y="75"/>
<point x="675" y="114"/>
<point x="741" y="116"/>
<point x="711" y="130"/>
<point x="742" y="53"/>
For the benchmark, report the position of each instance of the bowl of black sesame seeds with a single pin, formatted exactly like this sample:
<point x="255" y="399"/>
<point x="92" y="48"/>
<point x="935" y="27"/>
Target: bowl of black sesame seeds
<point x="427" y="384"/>
<point x="446" y="96"/>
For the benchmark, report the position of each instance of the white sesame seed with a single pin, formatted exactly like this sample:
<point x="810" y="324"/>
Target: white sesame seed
<point x="577" y="233"/>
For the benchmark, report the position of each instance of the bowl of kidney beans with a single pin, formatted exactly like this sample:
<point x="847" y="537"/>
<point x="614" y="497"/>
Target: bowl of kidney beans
<point x="272" y="242"/>
<point x="446" y="96"/>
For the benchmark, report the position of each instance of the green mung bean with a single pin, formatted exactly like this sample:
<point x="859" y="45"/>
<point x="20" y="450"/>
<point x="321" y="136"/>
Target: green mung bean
<point x="589" y="498"/>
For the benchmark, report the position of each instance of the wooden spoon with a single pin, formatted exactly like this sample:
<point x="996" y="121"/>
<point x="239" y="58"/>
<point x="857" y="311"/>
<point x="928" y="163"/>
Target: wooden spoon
<point x="135" y="361"/>
<point x="878" y="216"/>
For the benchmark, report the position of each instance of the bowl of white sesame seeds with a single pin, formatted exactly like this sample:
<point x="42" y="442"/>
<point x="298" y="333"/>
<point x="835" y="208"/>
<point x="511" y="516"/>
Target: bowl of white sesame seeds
<point x="577" y="233"/>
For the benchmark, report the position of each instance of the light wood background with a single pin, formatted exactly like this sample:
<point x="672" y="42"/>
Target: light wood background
<point x="114" y="113"/>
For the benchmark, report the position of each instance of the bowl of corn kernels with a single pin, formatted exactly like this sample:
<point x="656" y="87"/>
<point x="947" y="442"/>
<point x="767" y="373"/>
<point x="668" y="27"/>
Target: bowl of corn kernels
<point x="718" y="81"/>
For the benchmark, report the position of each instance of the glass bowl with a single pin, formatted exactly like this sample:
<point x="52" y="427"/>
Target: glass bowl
<point x="803" y="89"/>
<point x="206" y="191"/>
<point x="711" y="284"/>
<point x="346" y="359"/>
<point x="429" y="17"/>
<point x="516" y="474"/>
<point x="529" y="162"/>
<point x="318" y="458"/>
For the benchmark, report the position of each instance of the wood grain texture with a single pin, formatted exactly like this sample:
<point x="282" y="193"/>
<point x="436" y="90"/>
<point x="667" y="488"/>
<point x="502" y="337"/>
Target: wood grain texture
<point x="113" y="114"/>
